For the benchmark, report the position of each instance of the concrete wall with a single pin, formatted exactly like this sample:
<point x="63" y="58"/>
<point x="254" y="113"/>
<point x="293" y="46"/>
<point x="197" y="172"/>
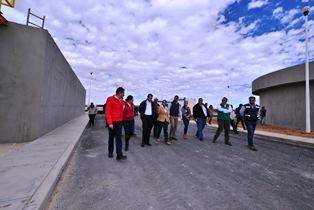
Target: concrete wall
<point x="283" y="95"/>
<point x="38" y="89"/>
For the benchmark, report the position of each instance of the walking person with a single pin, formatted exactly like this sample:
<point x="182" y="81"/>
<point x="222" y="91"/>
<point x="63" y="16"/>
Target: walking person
<point x="200" y="115"/>
<point x="239" y="117"/>
<point x="163" y="122"/>
<point x="155" y="128"/>
<point x="262" y="114"/>
<point x="223" y="118"/>
<point x="147" y="111"/>
<point x="174" y="111"/>
<point x="232" y="122"/>
<point x="210" y="114"/>
<point x="186" y="116"/>
<point x="114" y="118"/>
<point x="128" y="120"/>
<point x="249" y="112"/>
<point x="92" y="111"/>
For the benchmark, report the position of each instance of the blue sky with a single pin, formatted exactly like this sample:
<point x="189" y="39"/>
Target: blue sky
<point x="174" y="47"/>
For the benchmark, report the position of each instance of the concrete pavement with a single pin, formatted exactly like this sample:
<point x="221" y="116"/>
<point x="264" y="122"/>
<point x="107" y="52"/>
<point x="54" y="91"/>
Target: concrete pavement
<point x="29" y="172"/>
<point x="189" y="174"/>
<point x="283" y="138"/>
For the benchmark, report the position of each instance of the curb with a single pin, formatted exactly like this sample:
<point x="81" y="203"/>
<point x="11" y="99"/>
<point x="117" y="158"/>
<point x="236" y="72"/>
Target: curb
<point x="289" y="141"/>
<point x="40" y="199"/>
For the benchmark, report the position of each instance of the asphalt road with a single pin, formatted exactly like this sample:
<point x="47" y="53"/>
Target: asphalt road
<point x="189" y="174"/>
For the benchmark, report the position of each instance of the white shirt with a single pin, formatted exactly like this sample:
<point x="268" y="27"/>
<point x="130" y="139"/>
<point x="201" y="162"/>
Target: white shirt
<point x="148" y="110"/>
<point x="204" y="110"/>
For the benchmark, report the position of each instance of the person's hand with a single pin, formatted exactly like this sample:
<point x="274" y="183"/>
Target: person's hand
<point x="111" y="126"/>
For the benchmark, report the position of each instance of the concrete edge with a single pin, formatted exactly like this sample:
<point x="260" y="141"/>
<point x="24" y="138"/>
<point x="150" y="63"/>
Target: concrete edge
<point x="40" y="198"/>
<point x="276" y="139"/>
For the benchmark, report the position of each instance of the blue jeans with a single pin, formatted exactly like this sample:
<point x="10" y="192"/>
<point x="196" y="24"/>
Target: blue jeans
<point x="163" y="126"/>
<point x="250" y="126"/>
<point x="186" y="124"/>
<point x="201" y="122"/>
<point x="128" y="127"/>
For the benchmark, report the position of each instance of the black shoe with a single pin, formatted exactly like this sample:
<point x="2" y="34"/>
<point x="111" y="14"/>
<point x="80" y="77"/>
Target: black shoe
<point x="148" y="144"/>
<point x="142" y="145"/>
<point x="228" y="143"/>
<point x="110" y="155"/>
<point x="174" y="138"/>
<point x="214" y="141"/>
<point x="252" y="148"/>
<point x="122" y="157"/>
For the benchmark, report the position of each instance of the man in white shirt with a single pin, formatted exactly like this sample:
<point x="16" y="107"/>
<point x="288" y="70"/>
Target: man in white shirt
<point x="147" y="111"/>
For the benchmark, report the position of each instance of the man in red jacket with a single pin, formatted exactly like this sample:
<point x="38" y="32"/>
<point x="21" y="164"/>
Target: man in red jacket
<point x="114" y="118"/>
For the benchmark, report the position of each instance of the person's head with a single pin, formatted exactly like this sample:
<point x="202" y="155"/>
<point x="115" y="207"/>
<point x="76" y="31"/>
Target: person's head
<point x="210" y="106"/>
<point x="155" y="100"/>
<point x="186" y="103"/>
<point x="176" y="98"/>
<point x="120" y="92"/>
<point x="164" y="103"/>
<point x="224" y="100"/>
<point x="150" y="97"/>
<point x="263" y="107"/>
<point x="252" y="100"/>
<point x="240" y="105"/>
<point x="92" y="105"/>
<point x="200" y="101"/>
<point x="129" y="99"/>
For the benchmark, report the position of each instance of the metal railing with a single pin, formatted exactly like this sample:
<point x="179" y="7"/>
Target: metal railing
<point x="28" y="22"/>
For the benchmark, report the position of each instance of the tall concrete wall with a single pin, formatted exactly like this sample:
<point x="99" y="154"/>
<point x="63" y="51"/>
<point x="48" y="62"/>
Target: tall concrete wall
<point x="283" y="95"/>
<point x="38" y="89"/>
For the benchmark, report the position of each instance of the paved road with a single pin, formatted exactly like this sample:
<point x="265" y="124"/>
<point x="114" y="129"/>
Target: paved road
<point x="186" y="175"/>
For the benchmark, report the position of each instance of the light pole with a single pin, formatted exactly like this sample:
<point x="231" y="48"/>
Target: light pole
<point x="306" y="11"/>
<point x="90" y="87"/>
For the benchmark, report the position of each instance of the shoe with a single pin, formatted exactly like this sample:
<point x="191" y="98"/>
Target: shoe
<point x="252" y="148"/>
<point x="185" y="136"/>
<point x="148" y="144"/>
<point x="122" y="157"/>
<point x="157" y="140"/>
<point x="174" y="138"/>
<point x="110" y="155"/>
<point x="228" y="143"/>
<point x="214" y="141"/>
<point x="142" y="145"/>
<point x="168" y="142"/>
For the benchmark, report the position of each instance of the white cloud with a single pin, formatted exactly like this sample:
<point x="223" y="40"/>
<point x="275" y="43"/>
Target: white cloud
<point x="145" y="45"/>
<point x="257" y="4"/>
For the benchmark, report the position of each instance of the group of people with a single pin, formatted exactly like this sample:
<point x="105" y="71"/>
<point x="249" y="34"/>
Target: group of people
<point x="120" y="114"/>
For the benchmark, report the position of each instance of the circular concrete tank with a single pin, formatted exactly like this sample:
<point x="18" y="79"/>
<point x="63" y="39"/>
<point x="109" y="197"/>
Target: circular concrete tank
<point x="282" y="93"/>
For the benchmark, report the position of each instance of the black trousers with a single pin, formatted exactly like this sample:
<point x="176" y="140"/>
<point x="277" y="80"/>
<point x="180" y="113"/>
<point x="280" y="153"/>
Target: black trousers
<point x="240" y="119"/>
<point x="148" y="122"/>
<point x="115" y="133"/>
<point x="91" y="119"/>
<point x="223" y="125"/>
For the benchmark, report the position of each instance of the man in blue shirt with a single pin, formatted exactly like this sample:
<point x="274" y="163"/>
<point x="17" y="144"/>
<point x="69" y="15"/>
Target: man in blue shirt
<point x="249" y="112"/>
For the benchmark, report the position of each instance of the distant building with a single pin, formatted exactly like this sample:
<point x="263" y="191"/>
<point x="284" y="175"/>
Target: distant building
<point x="282" y="93"/>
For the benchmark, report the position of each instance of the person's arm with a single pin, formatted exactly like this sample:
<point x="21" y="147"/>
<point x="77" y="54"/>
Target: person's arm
<point x="108" y="113"/>
<point x="224" y="110"/>
<point x="242" y="111"/>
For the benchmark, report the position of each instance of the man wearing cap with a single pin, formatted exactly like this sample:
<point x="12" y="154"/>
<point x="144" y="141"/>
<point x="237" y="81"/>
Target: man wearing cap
<point x="223" y="118"/>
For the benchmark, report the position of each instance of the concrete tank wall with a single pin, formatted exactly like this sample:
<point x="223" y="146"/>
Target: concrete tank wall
<point x="283" y="95"/>
<point x="38" y="89"/>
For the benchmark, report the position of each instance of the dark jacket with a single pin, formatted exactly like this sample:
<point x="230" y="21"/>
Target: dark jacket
<point x="198" y="111"/>
<point x="142" y="108"/>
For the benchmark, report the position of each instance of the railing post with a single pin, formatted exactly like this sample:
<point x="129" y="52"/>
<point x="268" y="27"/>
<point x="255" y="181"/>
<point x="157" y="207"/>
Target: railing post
<point x="43" y="22"/>
<point x="28" y="13"/>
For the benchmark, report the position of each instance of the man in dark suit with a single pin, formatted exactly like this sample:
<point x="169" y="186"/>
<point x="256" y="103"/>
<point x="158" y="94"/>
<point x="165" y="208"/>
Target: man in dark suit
<point x="147" y="111"/>
<point x="200" y="114"/>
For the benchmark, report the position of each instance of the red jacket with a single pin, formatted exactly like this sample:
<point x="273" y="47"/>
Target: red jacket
<point x="114" y="110"/>
<point x="128" y="112"/>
